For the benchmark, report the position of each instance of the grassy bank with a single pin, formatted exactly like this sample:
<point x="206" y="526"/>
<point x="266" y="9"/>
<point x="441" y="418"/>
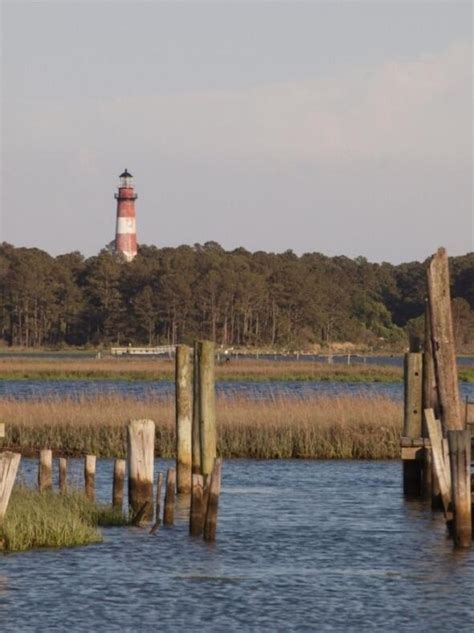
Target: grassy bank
<point x="314" y="427"/>
<point x="154" y="369"/>
<point x="49" y="519"/>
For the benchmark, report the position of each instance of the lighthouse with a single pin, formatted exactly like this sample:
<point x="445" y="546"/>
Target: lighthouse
<point x="126" y="230"/>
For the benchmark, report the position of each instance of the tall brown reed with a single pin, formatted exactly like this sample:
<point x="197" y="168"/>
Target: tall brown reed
<point x="313" y="427"/>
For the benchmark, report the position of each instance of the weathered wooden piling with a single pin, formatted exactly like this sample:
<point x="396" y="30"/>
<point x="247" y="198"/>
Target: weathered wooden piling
<point x="460" y="459"/>
<point x="9" y="463"/>
<point x="184" y="409"/>
<point x="118" y="483"/>
<point x="89" y="476"/>
<point x="159" y="488"/>
<point x="196" y="518"/>
<point x="442" y="336"/>
<point x="168" y="512"/>
<point x="413" y="457"/>
<point x="210" y="523"/>
<point x="440" y="464"/>
<point x="141" y="448"/>
<point x="62" y="475"/>
<point x="430" y="391"/>
<point x="207" y="407"/>
<point x="196" y="430"/>
<point x="45" y="470"/>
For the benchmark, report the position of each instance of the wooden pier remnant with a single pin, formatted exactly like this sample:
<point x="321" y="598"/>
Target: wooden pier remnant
<point x="62" y="475"/>
<point x="440" y="464"/>
<point x="184" y="409"/>
<point x="9" y="463"/>
<point x="207" y="407"/>
<point x="141" y="453"/>
<point x="460" y="459"/>
<point x="45" y="470"/>
<point x="118" y="483"/>
<point x="168" y="511"/>
<point x="442" y="336"/>
<point x="196" y="519"/>
<point x="89" y="476"/>
<point x="210" y="524"/>
<point x="195" y="434"/>
<point x="413" y="447"/>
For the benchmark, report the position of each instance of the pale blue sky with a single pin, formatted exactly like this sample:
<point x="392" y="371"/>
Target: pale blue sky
<point x="344" y="128"/>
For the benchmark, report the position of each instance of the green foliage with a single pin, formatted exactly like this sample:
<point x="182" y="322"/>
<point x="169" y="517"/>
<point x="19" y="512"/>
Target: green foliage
<point x="48" y="519"/>
<point x="236" y="298"/>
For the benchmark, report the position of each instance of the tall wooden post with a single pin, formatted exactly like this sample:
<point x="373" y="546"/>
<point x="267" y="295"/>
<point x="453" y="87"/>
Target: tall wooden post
<point x="207" y="407"/>
<point x="118" y="483"/>
<point x="62" y="474"/>
<point x="442" y="336"/>
<point x="195" y="440"/>
<point x="45" y="470"/>
<point x="196" y="518"/>
<point x="183" y="419"/>
<point x="141" y="454"/>
<point x="9" y="463"/>
<point x="460" y="460"/>
<point x="89" y="476"/>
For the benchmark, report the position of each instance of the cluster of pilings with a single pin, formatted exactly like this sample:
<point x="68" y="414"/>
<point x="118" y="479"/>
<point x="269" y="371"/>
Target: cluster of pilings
<point x="436" y="441"/>
<point x="198" y="471"/>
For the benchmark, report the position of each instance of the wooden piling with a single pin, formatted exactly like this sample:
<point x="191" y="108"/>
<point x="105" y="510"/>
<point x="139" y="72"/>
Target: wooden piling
<point x="168" y="512"/>
<point x="9" y="463"/>
<point x="196" y="519"/>
<point x="141" y="443"/>
<point x="184" y="409"/>
<point x="207" y="407"/>
<point x="430" y="391"/>
<point x="442" y="336"/>
<point x="413" y="377"/>
<point x="440" y="465"/>
<point x="45" y="470"/>
<point x="195" y="439"/>
<point x="62" y="479"/>
<point x="159" y="487"/>
<point x="210" y="524"/>
<point x="118" y="483"/>
<point x="460" y="459"/>
<point x="89" y="476"/>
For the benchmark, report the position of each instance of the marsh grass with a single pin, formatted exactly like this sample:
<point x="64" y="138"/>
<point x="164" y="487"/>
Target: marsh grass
<point x="284" y="427"/>
<point x="48" y="519"/>
<point x="159" y="369"/>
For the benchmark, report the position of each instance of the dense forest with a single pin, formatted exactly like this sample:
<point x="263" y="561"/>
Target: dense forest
<point x="236" y="298"/>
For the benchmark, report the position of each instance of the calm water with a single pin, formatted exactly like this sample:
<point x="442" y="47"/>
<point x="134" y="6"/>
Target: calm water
<point x="27" y="389"/>
<point x="302" y="546"/>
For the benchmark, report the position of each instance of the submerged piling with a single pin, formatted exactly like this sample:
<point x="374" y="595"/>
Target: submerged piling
<point x="210" y="524"/>
<point x="196" y="518"/>
<point x="168" y="513"/>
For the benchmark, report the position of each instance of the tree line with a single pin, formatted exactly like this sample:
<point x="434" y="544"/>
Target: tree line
<point x="236" y="298"/>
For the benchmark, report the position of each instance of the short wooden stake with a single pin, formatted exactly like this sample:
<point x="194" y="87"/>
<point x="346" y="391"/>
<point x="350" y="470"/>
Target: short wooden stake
<point x="207" y="407"/>
<point x="168" y="512"/>
<point x="141" y="454"/>
<point x="196" y="519"/>
<point x="118" y="483"/>
<point x="89" y="476"/>
<point x="45" y="470"/>
<point x="159" y="487"/>
<point x="195" y="439"/>
<point x="9" y="463"/>
<point x="62" y="475"/>
<point x="183" y="420"/>
<point x="210" y="524"/>
<point x="460" y="455"/>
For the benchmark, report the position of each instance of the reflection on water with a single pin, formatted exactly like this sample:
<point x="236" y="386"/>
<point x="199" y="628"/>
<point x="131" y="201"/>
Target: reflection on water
<point x="302" y="546"/>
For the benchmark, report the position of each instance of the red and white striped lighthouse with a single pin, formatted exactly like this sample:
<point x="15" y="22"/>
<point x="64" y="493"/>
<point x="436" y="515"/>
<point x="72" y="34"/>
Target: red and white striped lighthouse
<point x="126" y="230"/>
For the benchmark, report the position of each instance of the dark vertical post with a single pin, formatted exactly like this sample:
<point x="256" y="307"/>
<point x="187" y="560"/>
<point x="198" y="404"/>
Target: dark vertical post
<point x="168" y="513"/>
<point x="195" y="440"/>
